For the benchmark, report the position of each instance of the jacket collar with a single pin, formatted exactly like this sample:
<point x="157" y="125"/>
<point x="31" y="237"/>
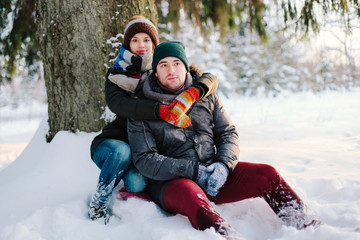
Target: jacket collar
<point x="153" y="91"/>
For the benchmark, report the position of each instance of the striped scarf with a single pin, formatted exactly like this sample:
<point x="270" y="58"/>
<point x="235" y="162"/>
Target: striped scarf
<point x="123" y="60"/>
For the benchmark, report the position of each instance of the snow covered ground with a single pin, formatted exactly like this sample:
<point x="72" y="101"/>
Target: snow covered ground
<point x="313" y="140"/>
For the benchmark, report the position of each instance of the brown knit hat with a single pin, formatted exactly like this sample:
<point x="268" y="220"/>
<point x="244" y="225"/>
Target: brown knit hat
<point x="140" y="24"/>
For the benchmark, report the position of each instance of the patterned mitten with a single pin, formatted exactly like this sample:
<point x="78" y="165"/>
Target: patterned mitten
<point x="183" y="102"/>
<point x="219" y="174"/>
<point x="164" y="113"/>
<point x="202" y="177"/>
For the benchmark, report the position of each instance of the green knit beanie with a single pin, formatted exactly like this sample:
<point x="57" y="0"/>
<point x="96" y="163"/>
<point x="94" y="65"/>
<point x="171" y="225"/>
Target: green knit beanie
<point x="169" y="49"/>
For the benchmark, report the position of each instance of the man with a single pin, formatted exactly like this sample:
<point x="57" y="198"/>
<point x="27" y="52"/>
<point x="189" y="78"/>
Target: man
<point x="189" y="167"/>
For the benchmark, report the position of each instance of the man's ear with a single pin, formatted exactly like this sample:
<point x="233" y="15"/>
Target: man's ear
<point x="156" y="75"/>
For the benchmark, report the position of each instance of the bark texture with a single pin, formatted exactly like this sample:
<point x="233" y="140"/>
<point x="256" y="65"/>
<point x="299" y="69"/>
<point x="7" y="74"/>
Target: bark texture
<point x="72" y="35"/>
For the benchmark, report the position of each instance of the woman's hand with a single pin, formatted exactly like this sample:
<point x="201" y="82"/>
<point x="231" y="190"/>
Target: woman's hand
<point x="183" y="102"/>
<point x="164" y="112"/>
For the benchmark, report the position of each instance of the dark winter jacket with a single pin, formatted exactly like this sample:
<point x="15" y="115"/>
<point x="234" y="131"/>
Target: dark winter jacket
<point x="161" y="151"/>
<point x="123" y="105"/>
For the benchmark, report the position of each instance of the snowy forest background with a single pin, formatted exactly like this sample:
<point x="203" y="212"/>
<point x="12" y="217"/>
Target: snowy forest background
<point x="244" y="64"/>
<point x="295" y="103"/>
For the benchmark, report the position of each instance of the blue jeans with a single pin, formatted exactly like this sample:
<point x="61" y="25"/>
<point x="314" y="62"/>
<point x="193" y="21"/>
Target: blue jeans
<point x="113" y="157"/>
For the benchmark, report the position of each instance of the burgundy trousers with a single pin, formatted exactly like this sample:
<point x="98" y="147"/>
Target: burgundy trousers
<point x="247" y="180"/>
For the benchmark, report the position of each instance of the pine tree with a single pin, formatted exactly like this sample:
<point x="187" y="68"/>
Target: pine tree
<point x="72" y="36"/>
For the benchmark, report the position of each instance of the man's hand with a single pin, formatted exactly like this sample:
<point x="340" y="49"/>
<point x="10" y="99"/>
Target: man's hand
<point x="183" y="102"/>
<point x="219" y="173"/>
<point x="202" y="177"/>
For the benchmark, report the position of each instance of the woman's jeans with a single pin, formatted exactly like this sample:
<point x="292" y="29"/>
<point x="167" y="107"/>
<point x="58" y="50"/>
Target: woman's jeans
<point x="113" y="157"/>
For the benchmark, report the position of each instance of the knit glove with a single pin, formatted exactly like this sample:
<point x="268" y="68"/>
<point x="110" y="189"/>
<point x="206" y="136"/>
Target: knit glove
<point x="202" y="177"/>
<point x="135" y="65"/>
<point x="183" y="102"/>
<point x="164" y="112"/>
<point x="219" y="174"/>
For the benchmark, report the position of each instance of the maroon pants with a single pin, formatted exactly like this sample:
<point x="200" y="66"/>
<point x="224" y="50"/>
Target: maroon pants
<point x="247" y="180"/>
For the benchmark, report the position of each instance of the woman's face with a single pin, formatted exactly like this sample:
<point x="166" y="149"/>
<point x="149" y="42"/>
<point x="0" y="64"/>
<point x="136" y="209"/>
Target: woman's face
<point x="141" y="44"/>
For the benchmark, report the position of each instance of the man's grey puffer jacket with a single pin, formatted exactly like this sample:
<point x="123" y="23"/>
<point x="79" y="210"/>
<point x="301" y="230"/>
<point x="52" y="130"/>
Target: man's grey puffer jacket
<point x="161" y="151"/>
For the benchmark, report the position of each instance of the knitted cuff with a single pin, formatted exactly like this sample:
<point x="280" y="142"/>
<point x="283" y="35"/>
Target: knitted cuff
<point x="225" y="165"/>
<point x="202" y="89"/>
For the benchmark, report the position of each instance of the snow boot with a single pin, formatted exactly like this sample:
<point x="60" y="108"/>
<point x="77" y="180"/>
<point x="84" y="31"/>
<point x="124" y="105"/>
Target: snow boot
<point x="98" y="211"/>
<point x="227" y="232"/>
<point x="299" y="217"/>
<point x="310" y="221"/>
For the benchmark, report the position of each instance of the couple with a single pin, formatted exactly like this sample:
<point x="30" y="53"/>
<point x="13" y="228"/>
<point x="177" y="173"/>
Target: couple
<point x="184" y="147"/>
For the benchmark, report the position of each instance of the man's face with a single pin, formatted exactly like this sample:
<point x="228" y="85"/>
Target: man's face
<point x="171" y="72"/>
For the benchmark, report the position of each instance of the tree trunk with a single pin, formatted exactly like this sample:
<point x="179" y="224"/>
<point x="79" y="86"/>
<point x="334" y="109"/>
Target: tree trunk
<point x="72" y="35"/>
